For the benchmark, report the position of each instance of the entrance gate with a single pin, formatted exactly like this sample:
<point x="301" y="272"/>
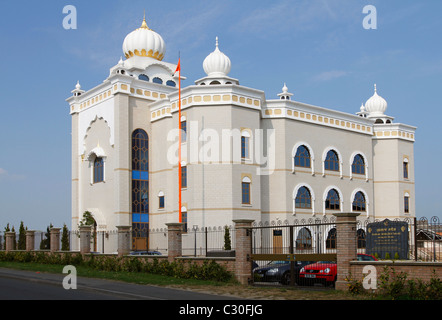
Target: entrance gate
<point x="288" y="254"/>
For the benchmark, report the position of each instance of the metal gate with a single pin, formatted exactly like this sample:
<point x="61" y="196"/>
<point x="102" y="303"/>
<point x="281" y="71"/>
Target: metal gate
<point x="302" y="253"/>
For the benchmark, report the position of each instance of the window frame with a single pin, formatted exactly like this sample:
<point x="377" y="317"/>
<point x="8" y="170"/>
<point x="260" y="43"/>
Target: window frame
<point x="246" y="190"/>
<point x="98" y="170"/>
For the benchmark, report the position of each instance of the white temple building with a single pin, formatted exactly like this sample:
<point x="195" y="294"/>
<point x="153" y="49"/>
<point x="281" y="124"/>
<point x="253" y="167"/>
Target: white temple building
<point x="244" y="155"/>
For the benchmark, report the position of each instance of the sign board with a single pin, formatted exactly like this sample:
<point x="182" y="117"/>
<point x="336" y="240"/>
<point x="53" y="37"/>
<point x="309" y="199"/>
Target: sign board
<point x="387" y="239"/>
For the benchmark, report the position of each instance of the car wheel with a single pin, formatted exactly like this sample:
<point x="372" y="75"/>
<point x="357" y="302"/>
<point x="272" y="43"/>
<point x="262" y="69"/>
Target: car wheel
<point x="285" y="279"/>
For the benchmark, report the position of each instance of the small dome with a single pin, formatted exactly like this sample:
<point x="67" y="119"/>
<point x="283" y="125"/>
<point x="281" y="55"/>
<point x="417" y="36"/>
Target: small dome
<point x="217" y="63"/>
<point x="376" y="105"/>
<point x="144" y="42"/>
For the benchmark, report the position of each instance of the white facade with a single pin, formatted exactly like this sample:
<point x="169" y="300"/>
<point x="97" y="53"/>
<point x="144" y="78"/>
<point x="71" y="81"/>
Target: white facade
<point x="236" y="138"/>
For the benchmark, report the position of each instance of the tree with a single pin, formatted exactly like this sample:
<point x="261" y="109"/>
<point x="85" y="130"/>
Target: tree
<point x="65" y="239"/>
<point x="45" y="244"/>
<point x="21" y="237"/>
<point x="227" y="241"/>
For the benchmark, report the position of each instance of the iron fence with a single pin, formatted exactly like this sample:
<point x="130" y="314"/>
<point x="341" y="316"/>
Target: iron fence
<point x="208" y="241"/>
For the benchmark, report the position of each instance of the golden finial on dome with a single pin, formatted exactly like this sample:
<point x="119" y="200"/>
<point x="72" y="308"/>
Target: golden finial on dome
<point x="144" y="24"/>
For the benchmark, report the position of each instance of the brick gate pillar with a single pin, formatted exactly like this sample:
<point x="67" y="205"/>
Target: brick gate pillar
<point x="85" y="239"/>
<point x="55" y="239"/>
<point x="30" y="240"/>
<point x="124" y="240"/>
<point x="9" y="245"/>
<point x="175" y="242"/>
<point x="346" y="245"/>
<point x="243" y="250"/>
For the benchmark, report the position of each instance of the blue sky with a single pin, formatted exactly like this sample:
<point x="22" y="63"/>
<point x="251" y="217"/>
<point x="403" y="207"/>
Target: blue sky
<point x="318" y="47"/>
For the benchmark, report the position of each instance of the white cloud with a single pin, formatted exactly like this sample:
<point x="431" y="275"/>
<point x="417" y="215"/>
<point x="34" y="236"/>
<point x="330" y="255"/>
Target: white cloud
<point x="330" y="75"/>
<point x="5" y="175"/>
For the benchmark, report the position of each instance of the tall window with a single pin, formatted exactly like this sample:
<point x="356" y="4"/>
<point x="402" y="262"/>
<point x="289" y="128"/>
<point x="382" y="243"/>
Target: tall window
<point x="303" y="199"/>
<point x="98" y="170"/>
<point x="245" y="186"/>
<point x="183" y="129"/>
<point x="331" y="161"/>
<point x="302" y="157"/>
<point x="332" y="202"/>
<point x="161" y="200"/>
<point x="184" y="218"/>
<point x="405" y="167"/>
<point x="359" y="203"/>
<point x="183" y="176"/>
<point x="140" y="189"/>
<point x="245" y="145"/>
<point x="407" y="203"/>
<point x="358" y="165"/>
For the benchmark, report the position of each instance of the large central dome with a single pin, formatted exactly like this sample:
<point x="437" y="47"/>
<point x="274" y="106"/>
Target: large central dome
<point x="144" y="42"/>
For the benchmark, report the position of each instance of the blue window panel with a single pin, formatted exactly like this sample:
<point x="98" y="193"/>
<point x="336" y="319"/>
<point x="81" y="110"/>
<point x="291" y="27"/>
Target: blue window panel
<point x="140" y="175"/>
<point x="144" y="175"/>
<point x="136" y="217"/>
<point x="144" y="218"/>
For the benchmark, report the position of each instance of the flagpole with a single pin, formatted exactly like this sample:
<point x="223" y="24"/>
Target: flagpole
<point x="179" y="145"/>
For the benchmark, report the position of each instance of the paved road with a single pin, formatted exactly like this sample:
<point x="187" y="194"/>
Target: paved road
<point x="29" y="285"/>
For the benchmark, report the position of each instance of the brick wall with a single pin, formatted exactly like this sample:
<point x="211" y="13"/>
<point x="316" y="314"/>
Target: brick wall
<point x="414" y="269"/>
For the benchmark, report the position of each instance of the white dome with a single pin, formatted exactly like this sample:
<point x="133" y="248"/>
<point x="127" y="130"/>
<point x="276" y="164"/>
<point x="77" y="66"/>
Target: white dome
<point x="376" y="105"/>
<point x="144" y="42"/>
<point x="217" y="63"/>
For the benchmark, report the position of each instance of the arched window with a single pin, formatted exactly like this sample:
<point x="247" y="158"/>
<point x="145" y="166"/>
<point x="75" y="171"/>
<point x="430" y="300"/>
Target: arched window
<point x="304" y="239"/>
<point x="332" y="202"/>
<point x="140" y="151"/>
<point x="331" y="161"/>
<point x="303" y="198"/>
<point x="359" y="203"/>
<point x="330" y="243"/>
<point x="360" y="234"/>
<point x="143" y="77"/>
<point x="245" y="189"/>
<point x="405" y="168"/>
<point x="302" y="157"/>
<point x="358" y="165"/>
<point x="171" y="83"/>
<point x="157" y="80"/>
<point x="98" y="170"/>
<point x="245" y="144"/>
<point x="215" y="82"/>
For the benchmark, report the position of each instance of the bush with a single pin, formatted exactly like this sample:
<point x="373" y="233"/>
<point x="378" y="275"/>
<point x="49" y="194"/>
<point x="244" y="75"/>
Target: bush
<point x="178" y="269"/>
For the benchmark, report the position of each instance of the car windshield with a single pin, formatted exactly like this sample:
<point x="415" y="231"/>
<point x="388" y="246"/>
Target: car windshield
<point x="277" y="263"/>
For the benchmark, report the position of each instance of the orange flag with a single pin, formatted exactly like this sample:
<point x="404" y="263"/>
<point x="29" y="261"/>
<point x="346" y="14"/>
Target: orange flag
<point x="178" y="68"/>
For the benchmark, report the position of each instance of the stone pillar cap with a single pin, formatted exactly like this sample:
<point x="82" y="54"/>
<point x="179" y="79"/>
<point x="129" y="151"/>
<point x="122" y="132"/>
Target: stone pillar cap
<point x="347" y="214"/>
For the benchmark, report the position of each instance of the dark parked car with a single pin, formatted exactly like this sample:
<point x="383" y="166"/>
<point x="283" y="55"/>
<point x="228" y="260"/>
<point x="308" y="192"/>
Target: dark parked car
<point x="278" y="271"/>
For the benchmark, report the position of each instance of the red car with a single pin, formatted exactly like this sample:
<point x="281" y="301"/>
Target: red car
<point x="325" y="271"/>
